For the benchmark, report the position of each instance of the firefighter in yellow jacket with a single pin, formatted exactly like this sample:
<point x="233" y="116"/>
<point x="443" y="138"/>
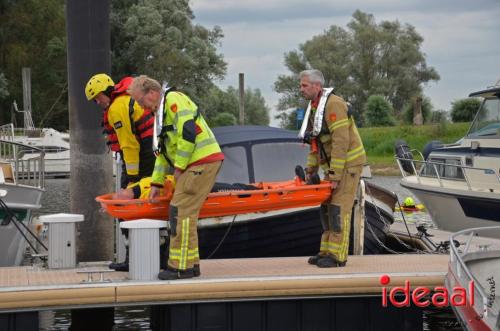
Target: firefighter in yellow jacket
<point x="128" y="127"/>
<point x="188" y="146"/>
<point x="129" y="131"/>
<point x="336" y="149"/>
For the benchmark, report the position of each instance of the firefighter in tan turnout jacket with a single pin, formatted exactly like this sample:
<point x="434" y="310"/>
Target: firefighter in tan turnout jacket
<point x="337" y="149"/>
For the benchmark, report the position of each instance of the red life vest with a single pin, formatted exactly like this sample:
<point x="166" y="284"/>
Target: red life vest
<point x="142" y="128"/>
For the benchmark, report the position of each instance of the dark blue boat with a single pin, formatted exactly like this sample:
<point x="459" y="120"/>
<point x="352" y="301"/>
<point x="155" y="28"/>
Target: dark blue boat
<point x="260" y="153"/>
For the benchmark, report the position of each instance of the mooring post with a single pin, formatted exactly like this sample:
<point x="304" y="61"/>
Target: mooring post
<point x="144" y="243"/>
<point x="62" y="239"/>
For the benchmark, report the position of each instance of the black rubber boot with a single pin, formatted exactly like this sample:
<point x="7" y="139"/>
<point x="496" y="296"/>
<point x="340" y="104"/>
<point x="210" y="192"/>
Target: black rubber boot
<point x="314" y="180"/>
<point x="164" y="253"/>
<point x="172" y="274"/>
<point x="314" y="259"/>
<point x="299" y="172"/>
<point x="122" y="266"/>
<point x="196" y="270"/>
<point x="329" y="262"/>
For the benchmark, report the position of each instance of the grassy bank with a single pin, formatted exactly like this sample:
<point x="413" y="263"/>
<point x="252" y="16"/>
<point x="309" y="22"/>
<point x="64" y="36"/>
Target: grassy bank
<point x="379" y="142"/>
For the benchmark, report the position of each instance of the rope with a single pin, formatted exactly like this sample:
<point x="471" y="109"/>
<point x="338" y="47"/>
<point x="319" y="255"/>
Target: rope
<point x="223" y="238"/>
<point x="65" y="88"/>
<point x="381" y="218"/>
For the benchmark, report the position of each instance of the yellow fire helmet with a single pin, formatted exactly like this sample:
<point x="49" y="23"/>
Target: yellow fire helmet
<point x="97" y="84"/>
<point x="409" y="202"/>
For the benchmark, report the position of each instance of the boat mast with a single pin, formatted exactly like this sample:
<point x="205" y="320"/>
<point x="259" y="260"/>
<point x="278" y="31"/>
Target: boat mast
<point x="28" y="120"/>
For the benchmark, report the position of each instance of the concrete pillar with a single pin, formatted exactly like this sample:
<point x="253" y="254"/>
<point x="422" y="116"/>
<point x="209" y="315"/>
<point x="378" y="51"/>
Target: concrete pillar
<point x="88" y="33"/>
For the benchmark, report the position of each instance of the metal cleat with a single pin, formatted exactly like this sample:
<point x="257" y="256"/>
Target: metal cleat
<point x="91" y="272"/>
<point x="483" y="247"/>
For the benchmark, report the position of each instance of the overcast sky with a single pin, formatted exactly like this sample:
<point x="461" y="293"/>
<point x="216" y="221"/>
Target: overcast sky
<point x="461" y="38"/>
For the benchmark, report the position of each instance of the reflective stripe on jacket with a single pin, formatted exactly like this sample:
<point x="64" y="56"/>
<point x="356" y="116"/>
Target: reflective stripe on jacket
<point x="340" y="140"/>
<point x="187" y="137"/>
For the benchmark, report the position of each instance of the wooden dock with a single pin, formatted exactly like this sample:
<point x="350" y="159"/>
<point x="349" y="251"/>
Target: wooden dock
<point x="32" y="288"/>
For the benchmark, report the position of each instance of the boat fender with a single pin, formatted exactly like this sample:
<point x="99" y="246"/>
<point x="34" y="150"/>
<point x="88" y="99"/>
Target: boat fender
<point x="403" y="151"/>
<point x="435" y="144"/>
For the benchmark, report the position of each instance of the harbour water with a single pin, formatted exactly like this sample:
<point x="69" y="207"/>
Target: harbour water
<point x="57" y="198"/>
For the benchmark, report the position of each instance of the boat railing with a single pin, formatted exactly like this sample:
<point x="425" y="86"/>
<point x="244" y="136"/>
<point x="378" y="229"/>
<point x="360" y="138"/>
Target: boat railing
<point x="418" y="167"/>
<point x="25" y="170"/>
<point x="9" y="132"/>
<point x="460" y="269"/>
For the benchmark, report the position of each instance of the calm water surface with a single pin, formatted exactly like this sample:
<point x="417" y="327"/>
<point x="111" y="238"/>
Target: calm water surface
<point x="56" y="200"/>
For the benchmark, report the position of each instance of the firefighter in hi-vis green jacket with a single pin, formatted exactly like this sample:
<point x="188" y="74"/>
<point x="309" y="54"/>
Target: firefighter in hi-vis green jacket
<point x="337" y="149"/>
<point x="188" y="146"/>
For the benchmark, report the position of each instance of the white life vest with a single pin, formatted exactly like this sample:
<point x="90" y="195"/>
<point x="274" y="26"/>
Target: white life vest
<point x="318" y="115"/>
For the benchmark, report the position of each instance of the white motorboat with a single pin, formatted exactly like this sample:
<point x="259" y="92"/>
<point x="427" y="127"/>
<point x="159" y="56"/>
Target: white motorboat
<point x="21" y="188"/>
<point x="475" y="271"/>
<point x="459" y="183"/>
<point x="53" y="143"/>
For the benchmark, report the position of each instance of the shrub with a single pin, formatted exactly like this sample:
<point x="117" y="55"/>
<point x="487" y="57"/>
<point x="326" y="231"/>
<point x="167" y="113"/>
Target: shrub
<point x="224" y="119"/>
<point x="378" y="112"/>
<point x="464" y="110"/>
<point x="438" y="116"/>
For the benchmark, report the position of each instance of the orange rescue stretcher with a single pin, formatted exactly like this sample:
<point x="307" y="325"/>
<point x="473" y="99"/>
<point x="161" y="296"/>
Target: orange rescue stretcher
<point x="269" y="196"/>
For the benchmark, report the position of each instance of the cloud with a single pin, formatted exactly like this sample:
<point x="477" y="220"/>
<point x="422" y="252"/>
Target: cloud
<point x="460" y="37"/>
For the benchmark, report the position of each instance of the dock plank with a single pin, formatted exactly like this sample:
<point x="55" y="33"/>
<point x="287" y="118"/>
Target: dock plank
<point x="26" y="288"/>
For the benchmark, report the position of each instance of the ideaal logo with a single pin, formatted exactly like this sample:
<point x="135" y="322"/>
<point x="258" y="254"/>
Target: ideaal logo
<point x="423" y="296"/>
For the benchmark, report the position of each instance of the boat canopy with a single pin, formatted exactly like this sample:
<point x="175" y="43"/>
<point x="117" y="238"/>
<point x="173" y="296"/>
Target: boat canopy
<point x="494" y="91"/>
<point x="259" y="153"/>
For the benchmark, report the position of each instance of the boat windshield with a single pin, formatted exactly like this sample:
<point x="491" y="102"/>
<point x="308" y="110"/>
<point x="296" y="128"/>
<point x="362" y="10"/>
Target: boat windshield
<point x="487" y="120"/>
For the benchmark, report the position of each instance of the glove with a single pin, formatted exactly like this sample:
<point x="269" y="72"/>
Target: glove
<point x="154" y="192"/>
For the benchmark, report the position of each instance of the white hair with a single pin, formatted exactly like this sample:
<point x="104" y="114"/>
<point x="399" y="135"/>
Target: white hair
<point x="315" y="76"/>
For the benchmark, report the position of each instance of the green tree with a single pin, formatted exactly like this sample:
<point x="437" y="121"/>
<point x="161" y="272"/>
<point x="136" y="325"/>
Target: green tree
<point x="378" y="112"/>
<point x="409" y="108"/>
<point x="4" y="92"/>
<point x="158" y="38"/>
<point x="256" y="111"/>
<point x="223" y="119"/>
<point x="464" y="110"/>
<point x="32" y="34"/>
<point x="219" y="102"/>
<point x="438" y="116"/>
<point x="365" y="59"/>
